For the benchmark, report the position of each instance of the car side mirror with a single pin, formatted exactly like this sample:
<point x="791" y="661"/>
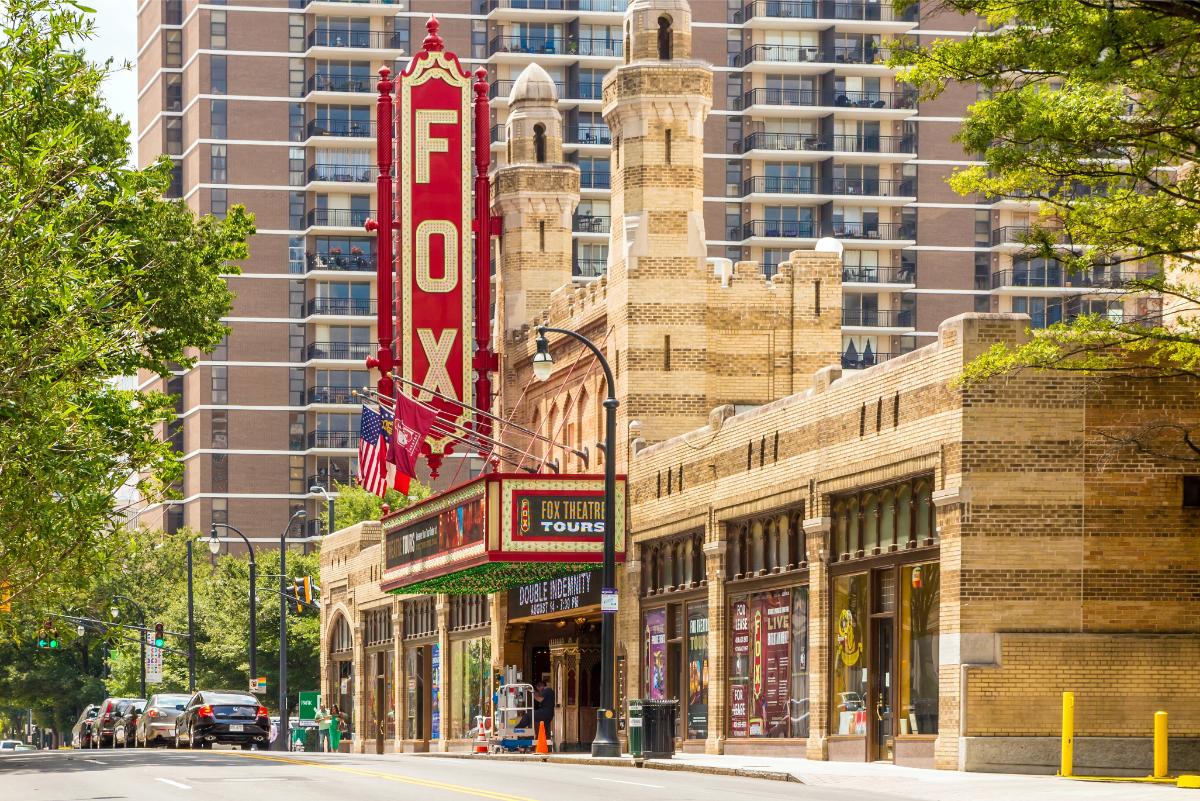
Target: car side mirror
<point x="179" y="707"/>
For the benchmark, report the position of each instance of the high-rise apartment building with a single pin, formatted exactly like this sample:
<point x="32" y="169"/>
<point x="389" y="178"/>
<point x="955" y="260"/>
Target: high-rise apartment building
<point x="271" y="104"/>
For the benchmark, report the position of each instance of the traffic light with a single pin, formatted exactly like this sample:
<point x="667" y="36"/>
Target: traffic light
<point x="48" y="637"/>
<point x="297" y="589"/>
<point x="306" y="585"/>
<point x="159" y="639"/>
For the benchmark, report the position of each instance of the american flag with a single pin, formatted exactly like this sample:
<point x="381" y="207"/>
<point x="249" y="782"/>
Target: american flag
<point x="373" y="446"/>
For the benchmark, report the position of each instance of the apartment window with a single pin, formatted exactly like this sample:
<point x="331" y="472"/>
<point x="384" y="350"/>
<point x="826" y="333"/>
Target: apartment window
<point x="295" y="122"/>
<point x="295" y="386"/>
<point x="733" y="178"/>
<point x="175" y="189"/>
<point x="219" y="119"/>
<point x="772" y="258"/>
<point x="217" y="28"/>
<point x="173" y="134"/>
<point x="296" y="431"/>
<point x="173" y="91"/>
<point x="733" y="221"/>
<point x="220" y="385"/>
<point x="221" y="351"/>
<point x="983" y="303"/>
<point x="296" y="344"/>
<point x="296" y="211"/>
<point x="220" y="442"/>
<point x="733" y="48"/>
<point x="218" y="67"/>
<point x="983" y="271"/>
<point x="173" y="49"/>
<point x="219" y="164"/>
<point x="296" y="483"/>
<point x="219" y="203"/>
<point x="296" y="43"/>
<point x="296" y="166"/>
<point x="173" y="12"/>
<point x="296" y="77"/>
<point x="295" y="255"/>
<point x="295" y="299"/>
<point x="478" y="38"/>
<point x="983" y="228"/>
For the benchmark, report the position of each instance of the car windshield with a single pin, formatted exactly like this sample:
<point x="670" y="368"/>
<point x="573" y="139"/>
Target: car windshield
<point x="170" y="700"/>
<point x="230" y="698"/>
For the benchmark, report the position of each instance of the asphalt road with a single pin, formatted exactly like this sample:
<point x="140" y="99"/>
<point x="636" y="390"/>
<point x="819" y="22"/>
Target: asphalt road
<point x="261" y="776"/>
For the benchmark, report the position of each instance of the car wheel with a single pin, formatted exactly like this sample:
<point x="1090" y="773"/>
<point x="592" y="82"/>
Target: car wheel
<point x="178" y="740"/>
<point x="118" y="737"/>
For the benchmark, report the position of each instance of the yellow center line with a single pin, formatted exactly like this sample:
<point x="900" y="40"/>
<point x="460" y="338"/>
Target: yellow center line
<point x="376" y="774"/>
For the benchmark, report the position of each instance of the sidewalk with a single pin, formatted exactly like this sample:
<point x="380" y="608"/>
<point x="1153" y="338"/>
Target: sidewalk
<point x="904" y="783"/>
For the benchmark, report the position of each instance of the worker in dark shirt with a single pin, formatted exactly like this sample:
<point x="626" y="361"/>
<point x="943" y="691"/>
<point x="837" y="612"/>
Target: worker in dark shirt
<point x="543" y="708"/>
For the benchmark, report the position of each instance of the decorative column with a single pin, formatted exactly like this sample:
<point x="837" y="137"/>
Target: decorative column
<point x="816" y="537"/>
<point x="952" y="509"/>
<point x="441" y="678"/>
<point x="400" y="676"/>
<point x="718" y="644"/>
<point x="358" y="713"/>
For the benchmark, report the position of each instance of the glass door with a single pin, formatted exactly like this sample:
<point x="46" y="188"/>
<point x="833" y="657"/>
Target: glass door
<point x="881" y="710"/>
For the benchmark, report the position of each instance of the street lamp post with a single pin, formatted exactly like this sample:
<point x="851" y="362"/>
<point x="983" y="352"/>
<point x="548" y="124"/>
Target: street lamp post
<point x="605" y="744"/>
<point x="191" y="623"/>
<point x="115" y="611"/>
<point x="324" y="493"/>
<point x="281" y="740"/>
<point x="214" y="546"/>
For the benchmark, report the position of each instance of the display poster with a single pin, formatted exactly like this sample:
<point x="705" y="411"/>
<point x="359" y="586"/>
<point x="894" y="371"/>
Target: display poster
<point x="771" y="631"/>
<point x="450" y="529"/>
<point x="697" y="670"/>
<point x="740" y="672"/>
<point x="656" y="654"/>
<point x="435" y="714"/>
<point x="554" y="595"/>
<point x="154" y="660"/>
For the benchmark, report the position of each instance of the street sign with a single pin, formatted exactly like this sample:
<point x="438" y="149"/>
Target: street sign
<point x="608" y="600"/>
<point x="258" y="685"/>
<point x="154" y="660"/>
<point x="307" y="711"/>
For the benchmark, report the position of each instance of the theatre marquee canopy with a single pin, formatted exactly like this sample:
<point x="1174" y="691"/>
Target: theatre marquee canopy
<point x="498" y="532"/>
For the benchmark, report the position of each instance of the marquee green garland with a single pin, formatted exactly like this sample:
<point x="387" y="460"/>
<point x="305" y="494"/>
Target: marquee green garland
<point x="492" y="577"/>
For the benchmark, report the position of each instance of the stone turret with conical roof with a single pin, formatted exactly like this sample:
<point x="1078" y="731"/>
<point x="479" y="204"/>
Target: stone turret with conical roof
<point x="655" y="105"/>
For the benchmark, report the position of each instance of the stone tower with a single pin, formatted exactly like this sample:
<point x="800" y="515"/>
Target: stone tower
<point x="536" y="193"/>
<point x="655" y="105"/>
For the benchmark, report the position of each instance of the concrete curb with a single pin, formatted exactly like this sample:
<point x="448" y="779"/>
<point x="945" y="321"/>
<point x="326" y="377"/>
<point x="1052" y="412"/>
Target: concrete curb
<point x="625" y="762"/>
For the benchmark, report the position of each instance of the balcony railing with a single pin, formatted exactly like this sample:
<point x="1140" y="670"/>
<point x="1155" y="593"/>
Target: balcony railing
<point x="873" y="230"/>
<point x="1019" y="235"/>
<point x="778" y="53"/>
<point x="360" y="2"/>
<point x="615" y="6"/>
<point x="875" y="100"/>
<point x="341" y="218"/>
<point x="341" y="350"/>
<point x="327" y="481"/>
<point x="355" y="262"/>
<point x="589" y="135"/>
<point x="333" y="439"/>
<point x="350" y="307"/>
<point x="359" y="174"/>
<point x="591" y="224"/>
<point x="504" y="88"/>
<point x="545" y="46"/>
<point x="326" y="394"/>
<point x="776" y="185"/>
<point x="321" y="82"/>
<point x="861" y="361"/>
<point x="874" y="187"/>
<point x="878" y="318"/>
<point x="786" y="229"/>
<point x="590" y="268"/>
<point x="852" y="143"/>
<point x="823" y="9"/>
<point x="350" y="128"/>
<point x="777" y="97"/>
<point x="586" y="90"/>
<point x="879" y="275"/>
<point x="858" y="54"/>
<point x="1055" y="277"/>
<point x="591" y="179"/>
<point x="346" y="37"/>
<point x="849" y="143"/>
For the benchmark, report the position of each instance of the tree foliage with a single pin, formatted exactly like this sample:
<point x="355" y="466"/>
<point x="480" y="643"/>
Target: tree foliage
<point x="102" y="278"/>
<point x="1093" y="109"/>
<point x="354" y="504"/>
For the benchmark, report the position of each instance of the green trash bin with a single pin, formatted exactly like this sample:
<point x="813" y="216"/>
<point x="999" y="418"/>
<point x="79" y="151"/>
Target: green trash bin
<point x="634" y="717"/>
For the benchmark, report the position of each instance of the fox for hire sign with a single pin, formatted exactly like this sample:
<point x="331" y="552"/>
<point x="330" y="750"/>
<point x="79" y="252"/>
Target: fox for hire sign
<point x="435" y="264"/>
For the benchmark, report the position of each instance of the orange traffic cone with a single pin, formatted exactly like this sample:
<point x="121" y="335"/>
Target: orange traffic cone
<point x="541" y="747"/>
<point x="481" y="743"/>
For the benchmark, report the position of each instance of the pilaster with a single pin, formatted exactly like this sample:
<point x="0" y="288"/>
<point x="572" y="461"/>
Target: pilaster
<point x="440" y="680"/>
<point x="718" y="644"/>
<point x="816" y="543"/>
<point x="358" y="715"/>
<point x="399" y="678"/>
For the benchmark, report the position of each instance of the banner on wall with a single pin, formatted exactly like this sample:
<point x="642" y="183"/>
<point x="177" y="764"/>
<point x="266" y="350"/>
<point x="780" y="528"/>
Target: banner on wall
<point x="656" y="654"/>
<point x="772" y="663"/>
<point x="739" y="681"/>
<point x="435" y="714"/>
<point x="697" y="670"/>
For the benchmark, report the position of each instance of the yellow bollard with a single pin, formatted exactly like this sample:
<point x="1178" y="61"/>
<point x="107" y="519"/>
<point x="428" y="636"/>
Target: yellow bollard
<point x="1068" y="735"/>
<point x="1160" y="745"/>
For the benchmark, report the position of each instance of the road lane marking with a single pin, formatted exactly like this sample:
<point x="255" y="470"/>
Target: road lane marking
<point x="95" y="761"/>
<point x="635" y="784"/>
<point x="375" y="774"/>
<point x="173" y="783"/>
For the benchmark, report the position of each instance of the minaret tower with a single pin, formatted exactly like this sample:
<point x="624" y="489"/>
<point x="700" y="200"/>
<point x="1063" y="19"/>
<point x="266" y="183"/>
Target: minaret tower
<point x="655" y="105"/>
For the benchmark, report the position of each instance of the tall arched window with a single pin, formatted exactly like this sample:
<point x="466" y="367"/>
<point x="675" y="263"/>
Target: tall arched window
<point x="340" y="640"/>
<point x="664" y="38"/>
<point x="539" y="143"/>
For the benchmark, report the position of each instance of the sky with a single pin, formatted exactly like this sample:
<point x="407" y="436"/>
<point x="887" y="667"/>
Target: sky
<point x="116" y="38"/>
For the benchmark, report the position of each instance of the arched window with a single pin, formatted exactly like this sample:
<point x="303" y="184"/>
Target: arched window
<point x="341" y="640"/>
<point x="539" y="143"/>
<point x="870" y="524"/>
<point x="664" y="38"/>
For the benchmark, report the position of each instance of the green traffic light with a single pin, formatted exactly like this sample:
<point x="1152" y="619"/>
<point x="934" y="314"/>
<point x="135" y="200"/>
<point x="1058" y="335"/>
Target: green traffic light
<point x="158" y="642"/>
<point x="42" y="642"/>
<point x="53" y="643"/>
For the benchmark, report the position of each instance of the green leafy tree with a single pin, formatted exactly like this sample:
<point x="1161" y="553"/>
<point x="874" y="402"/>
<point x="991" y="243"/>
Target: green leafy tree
<point x="355" y="504"/>
<point x="1091" y="107"/>
<point x="103" y="277"/>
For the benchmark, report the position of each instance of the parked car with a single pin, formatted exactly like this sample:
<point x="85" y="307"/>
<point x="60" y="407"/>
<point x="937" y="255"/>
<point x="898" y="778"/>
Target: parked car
<point x="214" y="716"/>
<point x="156" y="726"/>
<point x="106" y="718"/>
<point x="81" y="732"/>
<point x="9" y="746"/>
<point x="125" y="720"/>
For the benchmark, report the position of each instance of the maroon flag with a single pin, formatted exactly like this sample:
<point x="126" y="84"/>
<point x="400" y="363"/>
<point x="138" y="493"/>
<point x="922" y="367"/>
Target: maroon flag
<point x="412" y="423"/>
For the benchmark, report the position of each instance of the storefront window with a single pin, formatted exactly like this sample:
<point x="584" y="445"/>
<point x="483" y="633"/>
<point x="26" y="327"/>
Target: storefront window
<point x="414" y="669"/>
<point x="920" y="590"/>
<point x="768" y="664"/>
<point x="697" y="671"/>
<point x="654" y="634"/>
<point x="470" y="684"/>
<point x="850" y="610"/>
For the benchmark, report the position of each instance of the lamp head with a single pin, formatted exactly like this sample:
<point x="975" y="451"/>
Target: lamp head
<point x="543" y="362"/>
<point x="214" y="542"/>
<point x="114" y="611"/>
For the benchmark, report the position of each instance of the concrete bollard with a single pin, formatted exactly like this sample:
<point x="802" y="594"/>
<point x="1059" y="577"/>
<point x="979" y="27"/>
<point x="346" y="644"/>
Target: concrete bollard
<point x="1068" y="735"/>
<point x="1160" y="745"/>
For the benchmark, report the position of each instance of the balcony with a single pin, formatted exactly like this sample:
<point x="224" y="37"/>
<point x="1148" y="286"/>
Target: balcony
<point x="879" y="275"/>
<point x="875" y="100"/>
<point x="590" y="268"/>
<point x="345" y="37"/>
<point x="340" y="83"/>
<point x="328" y="394"/>
<point x="346" y="440"/>
<point x="778" y="54"/>
<point x="603" y="6"/>
<point x="591" y="179"/>
<point x="590" y="224"/>
<point x="339" y="218"/>
<point x="776" y="97"/>
<point x="873" y="187"/>
<point x="850" y="143"/>
<point x="1057" y="278"/>
<point x="858" y="54"/>
<point x="589" y="90"/>
<point x="542" y="46"/>
<point x="861" y="361"/>
<point x="342" y="173"/>
<point x="502" y="89"/>
<point x="776" y="185"/>
<point x="877" y="318"/>
<point x="823" y="9"/>
<point x="844" y="143"/>
<point x="355" y="262"/>
<point x="873" y="230"/>
<point x="359" y="2"/>
<point x="357" y="130"/>
<point x="327" y="481"/>
<point x="589" y="135"/>
<point x="346" y="307"/>
<point x="777" y="229"/>
<point x="1020" y="235"/>
<point x="341" y="350"/>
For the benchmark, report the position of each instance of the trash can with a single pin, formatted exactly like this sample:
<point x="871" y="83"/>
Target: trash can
<point x="658" y="729"/>
<point x="634" y="717"/>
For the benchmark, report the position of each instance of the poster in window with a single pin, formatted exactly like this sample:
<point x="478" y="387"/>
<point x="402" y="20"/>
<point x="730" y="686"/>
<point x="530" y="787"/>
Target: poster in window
<point x="770" y="627"/>
<point x="697" y="669"/>
<point x="435" y="715"/>
<point x="740" y="672"/>
<point x="656" y="654"/>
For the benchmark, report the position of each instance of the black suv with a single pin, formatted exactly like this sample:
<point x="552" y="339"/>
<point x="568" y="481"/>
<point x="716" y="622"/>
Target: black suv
<point x="81" y="732"/>
<point x="214" y="716"/>
<point x="106" y="720"/>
